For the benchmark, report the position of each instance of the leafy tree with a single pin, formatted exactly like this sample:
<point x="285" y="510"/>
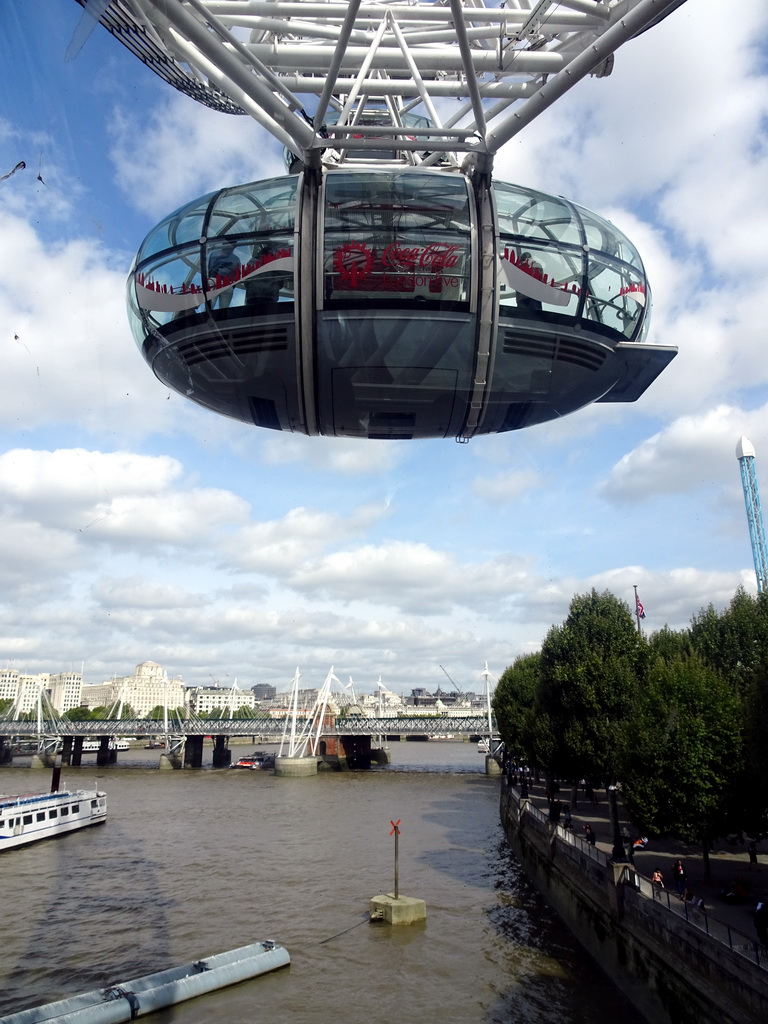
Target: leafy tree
<point x="682" y="751"/>
<point x="514" y="701"/>
<point x="158" y="713"/>
<point x="753" y="783"/>
<point x="735" y="641"/>
<point x="81" y="714"/>
<point x="5" y="704"/>
<point x="669" y="644"/>
<point x="589" y="668"/>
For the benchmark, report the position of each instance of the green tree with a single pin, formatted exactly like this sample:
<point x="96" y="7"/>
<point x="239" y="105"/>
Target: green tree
<point x="514" y="701"/>
<point x="174" y="714"/>
<point x="735" y="641"/>
<point x="81" y="714"/>
<point x="589" y="668"/>
<point x="682" y="752"/>
<point x="753" y="784"/>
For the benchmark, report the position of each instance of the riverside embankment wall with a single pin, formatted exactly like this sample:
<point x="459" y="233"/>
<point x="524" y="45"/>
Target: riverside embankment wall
<point x="671" y="969"/>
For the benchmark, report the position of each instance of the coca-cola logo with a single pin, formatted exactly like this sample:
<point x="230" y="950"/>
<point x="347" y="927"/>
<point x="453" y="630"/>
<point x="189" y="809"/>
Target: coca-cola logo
<point x="353" y="261"/>
<point x="434" y="257"/>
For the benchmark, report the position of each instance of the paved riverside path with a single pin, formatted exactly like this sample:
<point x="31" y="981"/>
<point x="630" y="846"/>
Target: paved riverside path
<point x="727" y="862"/>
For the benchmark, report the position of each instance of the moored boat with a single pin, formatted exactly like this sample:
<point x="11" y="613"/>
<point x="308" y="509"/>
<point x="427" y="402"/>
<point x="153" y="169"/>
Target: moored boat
<point x="31" y="817"/>
<point x="114" y="744"/>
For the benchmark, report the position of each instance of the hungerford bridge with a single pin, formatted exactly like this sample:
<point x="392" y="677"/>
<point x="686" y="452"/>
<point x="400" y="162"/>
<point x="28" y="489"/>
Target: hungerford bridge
<point x="340" y="739"/>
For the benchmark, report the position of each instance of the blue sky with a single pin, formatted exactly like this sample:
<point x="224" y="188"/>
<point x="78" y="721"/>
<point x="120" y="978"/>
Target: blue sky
<point x="137" y="526"/>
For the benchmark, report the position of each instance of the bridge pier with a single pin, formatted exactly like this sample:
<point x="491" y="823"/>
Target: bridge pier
<point x="193" y="751"/>
<point x="42" y="760"/>
<point x="66" y="750"/>
<point x="77" y="752"/>
<point x="344" y="752"/>
<point x="6" y="752"/>
<point x="380" y="755"/>
<point x="222" y="755"/>
<point x="105" y="755"/>
<point x="295" y="767"/>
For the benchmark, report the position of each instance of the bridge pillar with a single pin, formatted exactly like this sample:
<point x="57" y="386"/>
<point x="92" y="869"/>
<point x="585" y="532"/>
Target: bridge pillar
<point x="77" y="752"/>
<point x="343" y="752"/>
<point x="42" y="759"/>
<point x="6" y="751"/>
<point x="193" y="751"/>
<point x="295" y="767"/>
<point x="222" y="755"/>
<point x="104" y="755"/>
<point x="66" y="750"/>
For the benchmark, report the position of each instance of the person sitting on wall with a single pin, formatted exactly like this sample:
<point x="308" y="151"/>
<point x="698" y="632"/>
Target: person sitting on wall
<point x="639" y="844"/>
<point x="694" y="901"/>
<point x="736" y="892"/>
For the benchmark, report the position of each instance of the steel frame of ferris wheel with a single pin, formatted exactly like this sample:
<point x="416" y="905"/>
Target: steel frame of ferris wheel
<point x="479" y="73"/>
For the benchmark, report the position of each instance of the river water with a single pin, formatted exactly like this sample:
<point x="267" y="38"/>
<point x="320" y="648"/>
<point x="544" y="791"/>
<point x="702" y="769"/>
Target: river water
<point x="191" y="863"/>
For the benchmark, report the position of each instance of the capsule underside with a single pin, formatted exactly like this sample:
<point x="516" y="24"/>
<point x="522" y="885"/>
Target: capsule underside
<point x="394" y="303"/>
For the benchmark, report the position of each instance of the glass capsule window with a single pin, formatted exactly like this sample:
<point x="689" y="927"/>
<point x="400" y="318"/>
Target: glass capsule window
<point x="184" y="225"/>
<point x="228" y="250"/>
<point x="563" y="264"/>
<point x="396" y="238"/>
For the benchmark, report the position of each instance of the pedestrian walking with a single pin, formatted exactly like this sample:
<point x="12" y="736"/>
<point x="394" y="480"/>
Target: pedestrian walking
<point x="658" y="878"/>
<point x="679" y="877"/>
<point x="752" y="851"/>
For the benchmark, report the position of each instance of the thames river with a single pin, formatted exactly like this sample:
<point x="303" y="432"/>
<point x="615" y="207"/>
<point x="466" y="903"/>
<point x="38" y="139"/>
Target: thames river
<point x="191" y="863"/>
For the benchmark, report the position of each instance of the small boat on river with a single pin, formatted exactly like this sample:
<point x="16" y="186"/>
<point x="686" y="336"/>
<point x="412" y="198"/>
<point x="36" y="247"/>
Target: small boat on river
<point x="31" y="817"/>
<point x="259" y="760"/>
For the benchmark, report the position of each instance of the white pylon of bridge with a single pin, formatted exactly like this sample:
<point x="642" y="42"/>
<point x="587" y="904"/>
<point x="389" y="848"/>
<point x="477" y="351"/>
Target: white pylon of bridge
<point x="301" y="737"/>
<point x="306" y="70"/>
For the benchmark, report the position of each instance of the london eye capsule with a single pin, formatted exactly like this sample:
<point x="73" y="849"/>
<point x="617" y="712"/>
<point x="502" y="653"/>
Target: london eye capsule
<point x="392" y="302"/>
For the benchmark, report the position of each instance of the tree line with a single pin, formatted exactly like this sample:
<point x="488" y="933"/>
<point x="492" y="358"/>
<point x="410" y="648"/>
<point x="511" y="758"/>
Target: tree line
<point x="678" y="720"/>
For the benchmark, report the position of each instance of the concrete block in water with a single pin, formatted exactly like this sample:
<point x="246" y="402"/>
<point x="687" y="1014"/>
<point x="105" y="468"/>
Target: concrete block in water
<point x="400" y="910"/>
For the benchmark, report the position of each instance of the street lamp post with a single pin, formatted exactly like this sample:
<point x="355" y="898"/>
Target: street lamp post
<point x="619" y="854"/>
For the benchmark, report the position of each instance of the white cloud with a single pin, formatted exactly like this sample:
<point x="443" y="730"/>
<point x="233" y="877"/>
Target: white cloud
<point x="184" y="150"/>
<point x="506" y="487"/>
<point x="68" y="356"/>
<point x="691" y="453"/>
<point x="349" y="456"/>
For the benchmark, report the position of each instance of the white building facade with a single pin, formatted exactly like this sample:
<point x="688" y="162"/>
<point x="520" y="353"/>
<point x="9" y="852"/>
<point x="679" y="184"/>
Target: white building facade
<point x="148" y="688"/>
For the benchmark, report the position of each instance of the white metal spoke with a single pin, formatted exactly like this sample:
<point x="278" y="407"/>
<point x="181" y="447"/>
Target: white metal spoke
<point x="307" y="70"/>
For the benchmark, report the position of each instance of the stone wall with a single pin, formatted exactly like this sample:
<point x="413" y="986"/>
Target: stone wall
<point x="672" y="971"/>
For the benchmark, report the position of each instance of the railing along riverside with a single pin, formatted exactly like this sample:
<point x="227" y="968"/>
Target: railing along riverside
<point x="697" y="917"/>
<point x="583" y="847"/>
<point x="694" y="917"/>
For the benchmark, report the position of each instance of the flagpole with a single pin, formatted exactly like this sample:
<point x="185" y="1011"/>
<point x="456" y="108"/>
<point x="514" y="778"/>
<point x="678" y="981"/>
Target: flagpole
<point x="637" y="610"/>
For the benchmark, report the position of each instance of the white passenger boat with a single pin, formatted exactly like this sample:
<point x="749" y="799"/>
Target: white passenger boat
<point x="26" y="819"/>
<point x="91" y="745"/>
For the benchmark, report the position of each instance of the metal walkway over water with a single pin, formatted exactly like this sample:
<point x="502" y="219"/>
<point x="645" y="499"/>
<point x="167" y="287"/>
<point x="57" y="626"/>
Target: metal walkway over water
<point x="414" y="725"/>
